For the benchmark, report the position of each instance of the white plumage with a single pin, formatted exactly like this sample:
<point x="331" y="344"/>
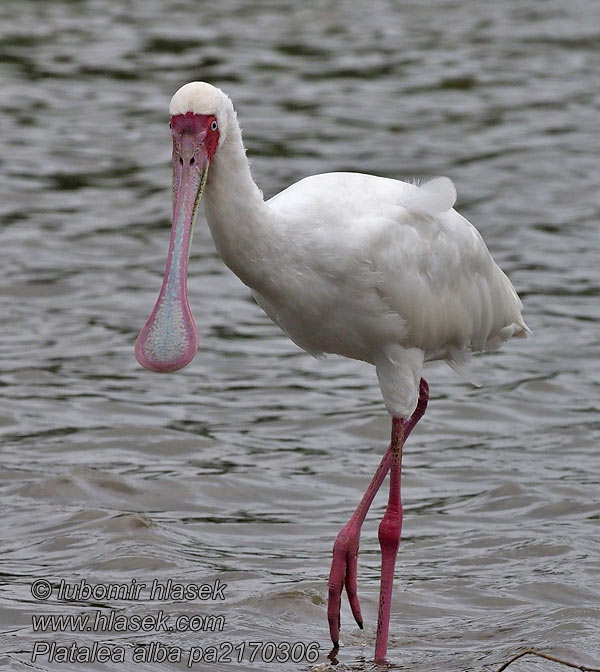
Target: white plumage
<point x="366" y="267"/>
<point x="373" y="274"/>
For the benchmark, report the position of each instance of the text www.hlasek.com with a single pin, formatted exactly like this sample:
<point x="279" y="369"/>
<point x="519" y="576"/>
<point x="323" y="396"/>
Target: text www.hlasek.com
<point x="99" y="622"/>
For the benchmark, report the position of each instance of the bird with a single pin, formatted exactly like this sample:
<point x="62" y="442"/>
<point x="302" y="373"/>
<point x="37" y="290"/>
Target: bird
<point x="369" y="268"/>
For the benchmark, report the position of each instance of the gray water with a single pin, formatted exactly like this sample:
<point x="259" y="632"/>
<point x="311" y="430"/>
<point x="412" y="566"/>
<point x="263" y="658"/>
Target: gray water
<point x="243" y="467"/>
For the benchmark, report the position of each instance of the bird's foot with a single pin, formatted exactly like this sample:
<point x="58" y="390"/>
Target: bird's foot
<point x="344" y="567"/>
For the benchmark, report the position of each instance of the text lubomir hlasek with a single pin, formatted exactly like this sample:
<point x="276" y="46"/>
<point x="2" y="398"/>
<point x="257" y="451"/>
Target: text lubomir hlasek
<point x="158" y="590"/>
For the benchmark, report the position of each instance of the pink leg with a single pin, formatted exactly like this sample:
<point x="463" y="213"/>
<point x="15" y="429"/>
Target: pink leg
<point x="390" y="529"/>
<point x="345" y="549"/>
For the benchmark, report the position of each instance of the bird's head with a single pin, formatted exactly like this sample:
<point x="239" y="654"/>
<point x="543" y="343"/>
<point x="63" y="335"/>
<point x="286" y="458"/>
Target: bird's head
<point x="199" y="118"/>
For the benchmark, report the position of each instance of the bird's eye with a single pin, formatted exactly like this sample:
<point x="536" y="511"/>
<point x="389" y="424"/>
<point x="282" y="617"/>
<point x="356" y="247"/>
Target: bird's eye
<point x="213" y="125"/>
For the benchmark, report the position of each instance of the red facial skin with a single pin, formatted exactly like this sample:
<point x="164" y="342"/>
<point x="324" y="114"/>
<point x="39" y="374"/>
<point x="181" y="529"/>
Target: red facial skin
<point x="169" y="339"/>
<point x="198" y="128"/>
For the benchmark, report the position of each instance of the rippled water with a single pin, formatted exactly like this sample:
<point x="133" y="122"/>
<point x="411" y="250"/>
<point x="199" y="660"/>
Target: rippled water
<point x="242" y="467"/>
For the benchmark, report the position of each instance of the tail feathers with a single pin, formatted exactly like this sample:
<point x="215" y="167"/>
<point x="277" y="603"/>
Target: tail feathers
<point x="459" y="359"/>
<point x="514" y="330"/>
<point x="522" y="331"/>
<point x="431" y="198"/>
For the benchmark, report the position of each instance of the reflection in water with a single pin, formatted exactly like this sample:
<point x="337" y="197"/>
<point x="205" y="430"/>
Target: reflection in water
<point x="243" y="466"/>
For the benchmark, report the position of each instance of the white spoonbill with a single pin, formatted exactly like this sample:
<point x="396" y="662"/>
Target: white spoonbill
<point x="366" y="267"/>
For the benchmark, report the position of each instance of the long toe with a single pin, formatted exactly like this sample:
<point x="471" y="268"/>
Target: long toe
<point x="352" y="586"/>
<point x="337" y="576"/>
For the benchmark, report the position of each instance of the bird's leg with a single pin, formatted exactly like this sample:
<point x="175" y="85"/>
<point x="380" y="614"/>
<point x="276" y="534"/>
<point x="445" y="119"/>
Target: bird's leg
<point x="345" y="549"/>
<point x="390" y="529"/>
<point x="344" y="564"/>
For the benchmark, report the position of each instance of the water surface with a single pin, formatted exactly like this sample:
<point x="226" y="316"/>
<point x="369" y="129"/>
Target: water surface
<point x="243" y="467"/>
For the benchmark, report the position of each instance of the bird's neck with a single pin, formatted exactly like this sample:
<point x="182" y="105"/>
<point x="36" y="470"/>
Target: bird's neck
<point x="236" y="211"/>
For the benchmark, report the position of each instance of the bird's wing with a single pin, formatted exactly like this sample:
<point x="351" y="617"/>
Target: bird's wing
<point x="395" y="263"/>
<point x="441" y="278"/>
